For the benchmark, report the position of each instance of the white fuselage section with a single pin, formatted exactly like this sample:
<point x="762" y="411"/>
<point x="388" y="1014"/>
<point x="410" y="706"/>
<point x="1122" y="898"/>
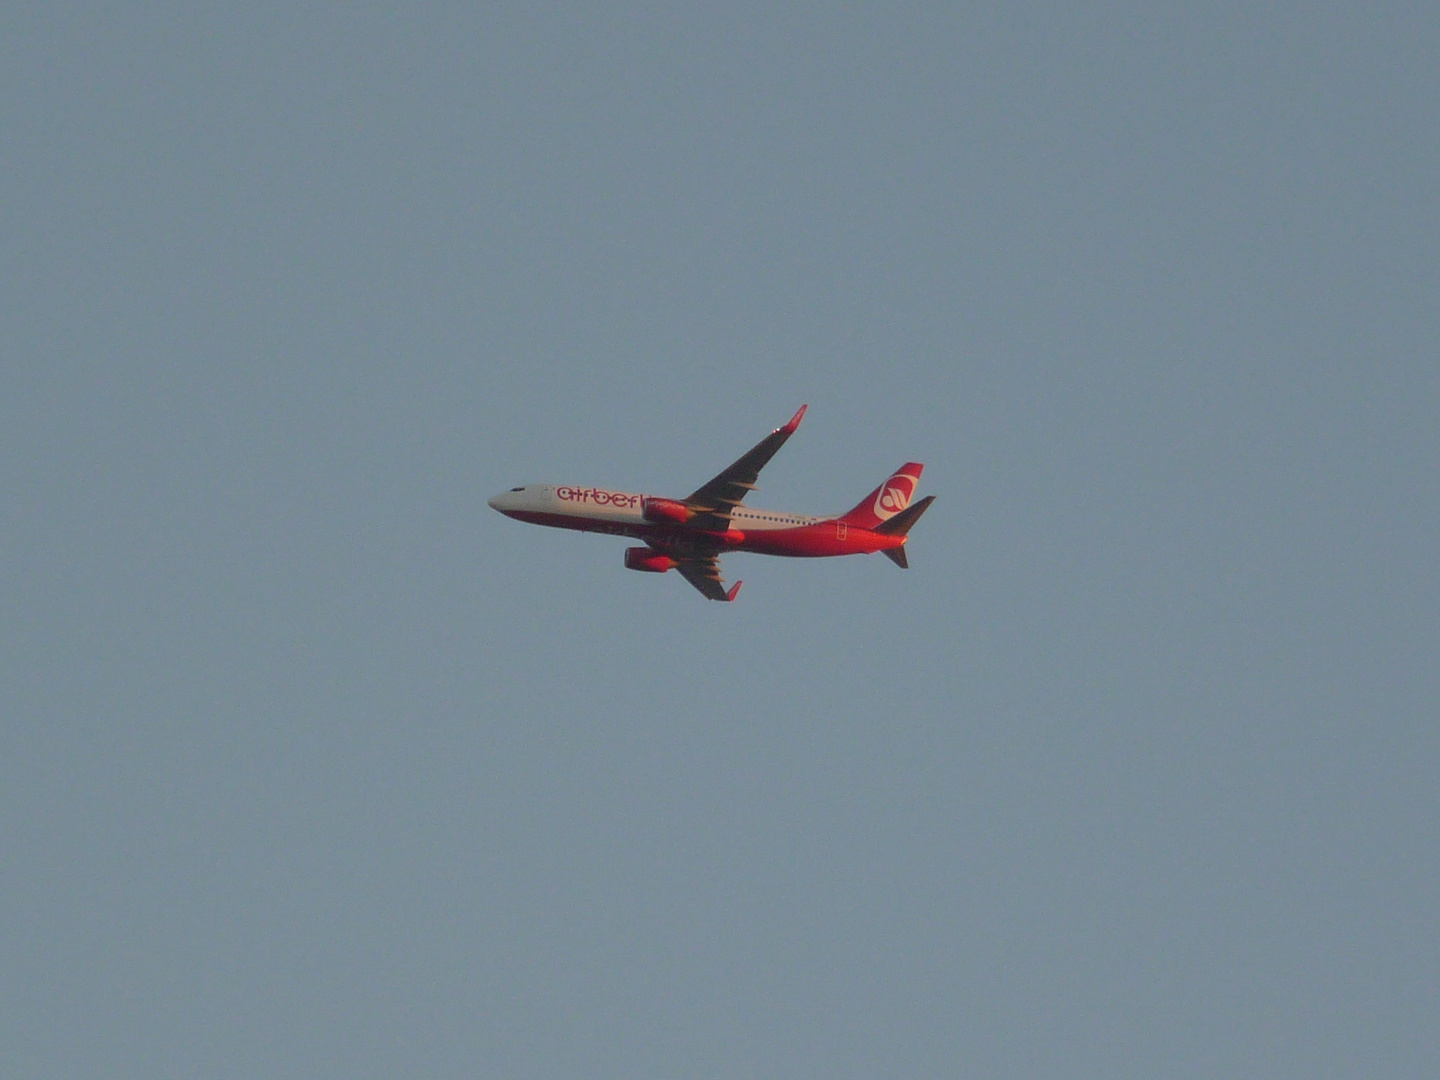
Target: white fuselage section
<point x="622" y="508"/>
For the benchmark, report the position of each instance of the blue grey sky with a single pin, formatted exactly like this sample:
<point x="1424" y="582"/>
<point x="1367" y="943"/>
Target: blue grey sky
<point x="312" y="765"/>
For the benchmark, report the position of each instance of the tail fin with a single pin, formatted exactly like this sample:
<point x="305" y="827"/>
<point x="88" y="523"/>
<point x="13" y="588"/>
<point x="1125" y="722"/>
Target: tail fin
<point x="887" y="500"/>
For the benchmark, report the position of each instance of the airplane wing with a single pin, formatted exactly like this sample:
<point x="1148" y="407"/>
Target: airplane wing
<point x="715" y="500"/>
<point x="704" y="574"/>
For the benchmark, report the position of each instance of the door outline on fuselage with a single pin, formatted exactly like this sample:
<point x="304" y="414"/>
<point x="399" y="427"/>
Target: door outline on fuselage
<point x="840" y="530"/>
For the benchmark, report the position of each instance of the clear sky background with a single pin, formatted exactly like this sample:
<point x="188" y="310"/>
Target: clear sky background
<point x="312" y="765"/>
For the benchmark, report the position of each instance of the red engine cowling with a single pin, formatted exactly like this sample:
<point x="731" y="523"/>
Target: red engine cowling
<point x="665" y="511"/>
<point x="648" y="560"/>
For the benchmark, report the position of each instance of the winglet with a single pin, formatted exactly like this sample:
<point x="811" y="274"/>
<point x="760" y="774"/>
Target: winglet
<point x="734" y="589"/>
<point x="789" y="429"/>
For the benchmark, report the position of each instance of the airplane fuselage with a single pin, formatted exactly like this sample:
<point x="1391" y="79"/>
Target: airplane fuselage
<point x="624" y="513"/>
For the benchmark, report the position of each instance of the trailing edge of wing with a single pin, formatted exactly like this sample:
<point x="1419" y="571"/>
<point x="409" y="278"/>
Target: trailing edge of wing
<point x="715" y="499"/>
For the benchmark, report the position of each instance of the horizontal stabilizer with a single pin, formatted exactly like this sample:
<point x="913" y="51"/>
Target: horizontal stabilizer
<point x="900" y="524"/>
<point x="897" y="556"/>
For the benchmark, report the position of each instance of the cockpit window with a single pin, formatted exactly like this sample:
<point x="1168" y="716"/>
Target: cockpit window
<point x="517" y="489"/>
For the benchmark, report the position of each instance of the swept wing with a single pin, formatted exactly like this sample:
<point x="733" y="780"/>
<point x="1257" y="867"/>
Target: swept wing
<point x="704" y="574"/>
<point x="713" y="502"/>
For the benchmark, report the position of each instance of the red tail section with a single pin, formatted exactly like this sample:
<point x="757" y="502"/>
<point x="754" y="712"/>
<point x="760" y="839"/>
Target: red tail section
<point x="888" y="499"/>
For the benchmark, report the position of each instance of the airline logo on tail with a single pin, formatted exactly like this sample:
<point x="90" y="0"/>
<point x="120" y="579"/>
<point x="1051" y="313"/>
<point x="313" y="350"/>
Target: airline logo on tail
<point x="894" y="495"/>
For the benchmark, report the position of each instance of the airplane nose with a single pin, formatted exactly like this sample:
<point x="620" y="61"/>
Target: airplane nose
<point x="505" y="500"/>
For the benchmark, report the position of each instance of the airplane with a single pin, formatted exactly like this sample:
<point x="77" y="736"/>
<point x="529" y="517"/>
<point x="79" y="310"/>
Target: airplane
<point x="690" y="534"/>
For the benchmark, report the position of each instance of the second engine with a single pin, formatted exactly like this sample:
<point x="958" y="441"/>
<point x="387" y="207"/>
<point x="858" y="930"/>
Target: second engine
<point x="648" y="560"/>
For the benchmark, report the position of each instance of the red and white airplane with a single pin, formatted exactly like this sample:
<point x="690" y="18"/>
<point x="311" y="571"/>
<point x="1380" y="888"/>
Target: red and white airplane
<point x="691" y="534"/>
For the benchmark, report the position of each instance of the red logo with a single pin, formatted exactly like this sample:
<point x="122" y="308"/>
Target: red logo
<point x="894" y="495"/>
<point x="598" y="496"/>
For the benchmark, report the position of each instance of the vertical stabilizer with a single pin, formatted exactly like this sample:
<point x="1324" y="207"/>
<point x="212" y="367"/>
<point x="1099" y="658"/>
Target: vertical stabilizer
<point x="888" y="499"/>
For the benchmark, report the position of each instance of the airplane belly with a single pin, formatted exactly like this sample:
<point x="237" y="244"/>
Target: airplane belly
<point x="806" y="541"/>
<point x="819" y="540"/>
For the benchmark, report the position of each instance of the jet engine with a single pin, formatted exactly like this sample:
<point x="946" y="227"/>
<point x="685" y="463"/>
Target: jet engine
<point x="666" y="511"/>
<point x="648" y="560"/>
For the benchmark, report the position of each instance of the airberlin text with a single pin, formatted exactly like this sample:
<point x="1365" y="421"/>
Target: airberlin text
<point x="598" y="497"/>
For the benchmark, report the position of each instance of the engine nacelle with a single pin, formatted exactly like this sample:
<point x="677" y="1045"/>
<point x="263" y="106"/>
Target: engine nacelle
<point x="666" y="511"/>
<point x="648" y="560"/>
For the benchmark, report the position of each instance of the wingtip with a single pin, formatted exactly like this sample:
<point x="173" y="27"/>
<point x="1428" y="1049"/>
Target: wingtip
<point x="795" y="420"/>
<point x="734" y="591"/>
